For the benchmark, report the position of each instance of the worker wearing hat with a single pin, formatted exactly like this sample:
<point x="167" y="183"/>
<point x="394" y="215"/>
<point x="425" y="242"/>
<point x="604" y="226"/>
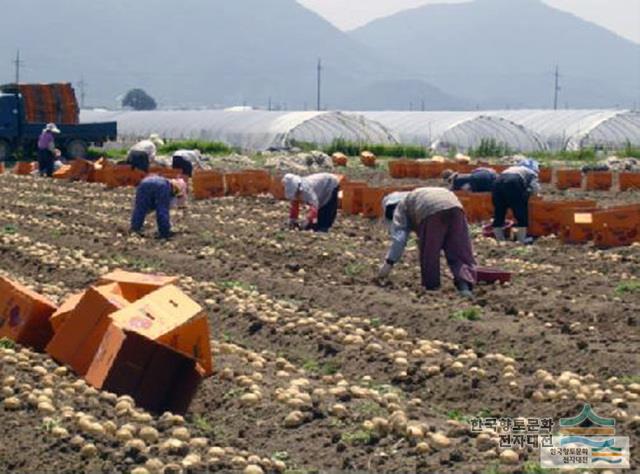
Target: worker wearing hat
<point x="513" y="190"/>
<point x="47" y="149"/>
<point x="480" y="180"/>
<point x="438" y="218"/>
<point x="144" y="153"/>
<point x="159" y="194"/>
<point x="320" y="192"/>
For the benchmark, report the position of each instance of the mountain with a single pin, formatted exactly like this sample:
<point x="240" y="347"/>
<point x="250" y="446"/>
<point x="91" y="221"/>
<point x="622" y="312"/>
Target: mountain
<point x="193" y="52"/>
<point x="502" y="53"/>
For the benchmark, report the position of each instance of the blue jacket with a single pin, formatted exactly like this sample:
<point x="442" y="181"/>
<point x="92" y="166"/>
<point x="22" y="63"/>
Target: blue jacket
<point x="153" y="194"/>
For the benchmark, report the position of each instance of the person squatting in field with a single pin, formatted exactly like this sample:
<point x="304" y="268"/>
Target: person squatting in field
<point x="513" y="190"/>
<point x="320" y="192"/>
<point x="155" y="193"/>
<point x="438" y="218"/>
<point x="480" y="180"/>
<point x="47" y="150"/>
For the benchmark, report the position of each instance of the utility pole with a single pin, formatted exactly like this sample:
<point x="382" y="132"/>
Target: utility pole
<point x="556" y="89"/>
<point x="319" y="83"/>
<point x="269" y="104"/>
<point x="422" y="105"/>
<point x="18" y="64"/>
<point x="83" y="91"/>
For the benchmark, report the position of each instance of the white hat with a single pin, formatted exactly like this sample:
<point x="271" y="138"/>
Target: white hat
<point x="393" y="199"/>
<point x="156" y="140"/>
<point x="292" y="184"/>
<point x="51" y="127"/>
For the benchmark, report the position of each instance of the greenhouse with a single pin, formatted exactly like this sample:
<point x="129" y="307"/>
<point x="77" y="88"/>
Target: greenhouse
<point x="577" y="129"/>
<point x="444" y="131"/>
<point x="245" y="129"/>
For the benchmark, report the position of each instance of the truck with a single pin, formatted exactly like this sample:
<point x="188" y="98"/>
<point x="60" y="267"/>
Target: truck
<point x="23" y="116"/>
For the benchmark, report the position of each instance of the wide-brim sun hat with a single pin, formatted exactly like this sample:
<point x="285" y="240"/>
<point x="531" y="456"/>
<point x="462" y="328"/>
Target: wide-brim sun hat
<point x="51" y="127"/>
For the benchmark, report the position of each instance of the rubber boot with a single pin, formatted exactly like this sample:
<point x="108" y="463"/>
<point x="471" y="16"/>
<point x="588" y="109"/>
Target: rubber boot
<point x="464" y="289"/>
<point x="499" y="234"/>
<point x="521" y="234"/>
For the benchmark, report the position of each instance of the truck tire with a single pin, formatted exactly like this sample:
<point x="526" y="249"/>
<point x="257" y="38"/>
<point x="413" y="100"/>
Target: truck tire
<point x="77" y="149"/>
<point x="5" y="150"/>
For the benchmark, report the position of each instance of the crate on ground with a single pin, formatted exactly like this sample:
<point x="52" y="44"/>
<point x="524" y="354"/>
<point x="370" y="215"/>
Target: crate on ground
<point x="397" y="169"/>
<point x="372" y="202"/>
<point x="545" y="175"/>
<point x="431" y="169"/>
<point x="339" y="159"/>
<point x="24" y="168"/>
<point x="629" y="181"/>
<point x="599" y="180"/>
<point x="24" y="315"/>
<point x="169" y="173"/>
<point x="567" y="179"/>
<point x="368" y="159"/>
<point x="352" y="193"/>
<point x="207" y="184"/>
<point x="122" y="175"/>
<point x="247" y="183"/>
<point x="412" y="168"/>
<point x="156" y="376"/>
<point x="547" y="217"/>
<point x="577" y="225"/>
<point x="276" y="188"/>
<point x="617" y="227"/>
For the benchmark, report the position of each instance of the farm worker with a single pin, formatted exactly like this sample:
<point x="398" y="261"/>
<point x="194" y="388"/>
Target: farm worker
<point x="480" y="180"/>
<point x="438" y="218"/>
<point x="155" y="193"/>
<point x="320" y="192"/>
<point x="512" y="190"/>
<point x="143" y="153"/>
<point x="187" y="161"/>
<point x="47" y="149"/>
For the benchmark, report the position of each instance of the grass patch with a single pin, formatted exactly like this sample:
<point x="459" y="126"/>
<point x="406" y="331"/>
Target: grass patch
<point x="48" y="425"/>
<point x="370" y="409"/>
<point x="280" y="456"/>
<point x="6" y="343"/>
<point x="492" y="469"/>
<point x="205" y="147"/>
<point x="490" y="147"/>
<point x="229" y="284"/>
<point x="326" y="368"/>
<point x="629" y="379"/>
<point x="376" y="322"/>
<point x="233" y="393"/>
<point x="9" y="229"/>
<point x="629" y="286"/>
<point x="394" y="151"/>
<point x="468" y="314"/>
<point x="357" y="438"/>
<point x="203" y="424"/>
<point x="354" y="269"/>
<point x="532" y="467"/>
<point x="112" y="154"/>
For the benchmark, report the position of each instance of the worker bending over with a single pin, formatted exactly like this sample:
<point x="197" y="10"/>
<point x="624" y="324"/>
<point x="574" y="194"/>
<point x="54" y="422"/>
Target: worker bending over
<point x="480" y="180"/>
<point x="512" y="190"/>
<point x="320" y="192"/>
<point x="47" y="150"/>
<point x="144" y="153"/>
<point x="438" y="218"/>
<point x="186" y="161"/>
<point x="155" y="193"/>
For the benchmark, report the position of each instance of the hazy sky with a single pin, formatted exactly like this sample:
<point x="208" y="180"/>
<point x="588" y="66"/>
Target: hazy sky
<point x="621" y="16"/>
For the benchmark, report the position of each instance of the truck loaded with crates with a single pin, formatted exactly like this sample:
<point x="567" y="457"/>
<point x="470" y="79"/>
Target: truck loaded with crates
<point x="25" y="109"/>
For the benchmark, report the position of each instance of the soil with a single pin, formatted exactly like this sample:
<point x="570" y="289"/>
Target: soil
<point x="273" y="295"/>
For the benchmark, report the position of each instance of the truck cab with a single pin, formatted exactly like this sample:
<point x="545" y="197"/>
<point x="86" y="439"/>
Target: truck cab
<point x="9" y="123"/>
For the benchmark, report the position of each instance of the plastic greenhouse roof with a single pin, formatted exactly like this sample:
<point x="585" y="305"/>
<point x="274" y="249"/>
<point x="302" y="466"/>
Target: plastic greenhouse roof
<point x="464" y="130"/>
<point x="246" y="129"/>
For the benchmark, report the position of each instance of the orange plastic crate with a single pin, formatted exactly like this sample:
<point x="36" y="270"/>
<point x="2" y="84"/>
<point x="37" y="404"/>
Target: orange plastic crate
<point x="208" y="184"/>
<point x="122" y="175"/>
<point x="412" y="169"/>
<point x="431" y="169"/>
<point x="547" y="217"/>
<point x="629" y="181"/>
<point x="599" y="180"/>
<point x="617" y="227"/>
<point x="372" y="201"/>
<point x="397" y="169"/>
<point x="566" y="179"/>
<point x="577" y="225"/>
<point x="352" y="194"/>
<point x="545" y="175"/>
